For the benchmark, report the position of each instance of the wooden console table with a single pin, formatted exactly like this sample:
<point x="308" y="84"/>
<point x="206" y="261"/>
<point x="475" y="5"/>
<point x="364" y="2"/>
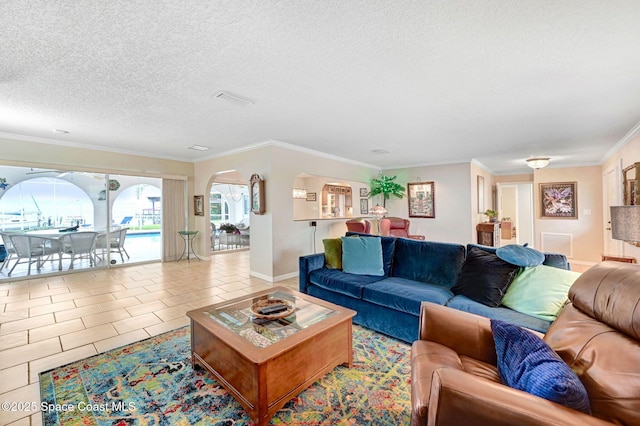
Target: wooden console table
<point x="617" y="258"/>
<point x="488" y="234"/>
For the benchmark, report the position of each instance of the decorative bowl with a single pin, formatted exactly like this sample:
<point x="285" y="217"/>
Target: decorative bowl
<point x="266" y="303"/>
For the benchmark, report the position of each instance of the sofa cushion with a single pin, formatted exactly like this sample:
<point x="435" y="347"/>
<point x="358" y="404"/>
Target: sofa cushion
<point x="540" y="291"/>
<point x="362" y="256"/>
<point x="463" y="303"/>
<point x="332" y="253"/>
<point x="484" y="277"/>
<point x="527" y="363"/>
<point x="404" y="295"/>
<point x="428" y="261"/>
<point x="520" y="255"/>
<point x="388" y="249"/>
<point x="341" y="282"/>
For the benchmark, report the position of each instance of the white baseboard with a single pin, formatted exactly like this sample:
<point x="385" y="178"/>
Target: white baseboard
<point x="273" y="279"/>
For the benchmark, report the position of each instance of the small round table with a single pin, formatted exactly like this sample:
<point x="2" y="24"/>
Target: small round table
<point x="189" y="237"/>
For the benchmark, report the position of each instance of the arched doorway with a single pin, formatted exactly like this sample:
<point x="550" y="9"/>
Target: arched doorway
<point x="229" y="212"/>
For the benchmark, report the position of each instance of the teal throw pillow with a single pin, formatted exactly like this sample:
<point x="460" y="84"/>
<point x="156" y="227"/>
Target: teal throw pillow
<point x="527" y="363"/>
<point x="520" y="255"/>
<point x="362" y="256"/>
<point x="332" y="253"/>
<point x="540" y="291"/>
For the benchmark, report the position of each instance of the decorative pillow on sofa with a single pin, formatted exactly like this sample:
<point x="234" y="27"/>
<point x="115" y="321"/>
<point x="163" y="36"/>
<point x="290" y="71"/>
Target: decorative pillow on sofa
<point x="362" y="256"/>
<point x="484" y="277"/>
<point x="332" y="253"/>
<point x="540" y="291"/>
<point x="527" y="363"/>
<point x="520" y="255"/>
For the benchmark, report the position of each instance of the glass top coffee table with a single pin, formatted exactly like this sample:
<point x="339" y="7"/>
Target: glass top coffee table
<point x="267" y="347"/>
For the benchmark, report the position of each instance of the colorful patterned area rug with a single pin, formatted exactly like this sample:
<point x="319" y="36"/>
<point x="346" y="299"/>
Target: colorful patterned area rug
<point x="152" y="383"/>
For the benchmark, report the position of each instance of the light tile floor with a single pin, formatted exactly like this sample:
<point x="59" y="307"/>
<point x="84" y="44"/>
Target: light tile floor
<point x="47" y="322"/>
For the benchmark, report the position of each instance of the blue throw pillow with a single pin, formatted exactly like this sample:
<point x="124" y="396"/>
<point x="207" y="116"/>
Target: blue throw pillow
<point x="527" y="363"/>
<point x="520" y="255"/>
<point x="362" y="256"/>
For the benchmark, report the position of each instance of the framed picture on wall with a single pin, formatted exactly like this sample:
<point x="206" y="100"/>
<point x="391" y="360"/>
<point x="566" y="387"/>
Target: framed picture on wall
<point x="256" y="194"/>
<point x="559" y="200"/>
<point x="198" y="205"/>
<point x="421" y="199"/>
<point x="311" y="196"/>
<point x="364" y="206"/>
<point x="364" y="192"/>
<point x="480" y="194"/>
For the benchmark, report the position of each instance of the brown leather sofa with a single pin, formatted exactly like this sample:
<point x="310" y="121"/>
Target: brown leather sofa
<point x="454" y="379"/>
<point x="397" y="227"/>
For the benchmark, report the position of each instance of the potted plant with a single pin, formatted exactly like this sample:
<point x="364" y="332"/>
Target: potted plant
<point x="229" y="228"/>
<point x="492" y="215"/>
<point x="386" y="186"/>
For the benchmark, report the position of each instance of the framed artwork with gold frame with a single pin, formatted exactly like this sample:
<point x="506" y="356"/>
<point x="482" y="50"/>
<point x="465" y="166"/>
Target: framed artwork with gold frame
<point x="256" y="194"/>
<point x="559" y="200"/>
<point x="198" y="205"/>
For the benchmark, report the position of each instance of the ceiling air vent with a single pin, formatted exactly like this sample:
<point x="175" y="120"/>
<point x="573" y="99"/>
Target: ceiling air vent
<point x="232" y="97"/>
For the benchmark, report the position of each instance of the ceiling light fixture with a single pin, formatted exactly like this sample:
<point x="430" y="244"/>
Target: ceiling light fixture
<point x="537" y="162"/>
<point x="232" y="97"/>
<point x="198" y="148"/>
<point x="61" y="131"/>
<point x="379" y="151"/>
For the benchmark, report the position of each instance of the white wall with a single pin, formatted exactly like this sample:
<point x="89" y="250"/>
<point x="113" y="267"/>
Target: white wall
<point x="454" y="221"/>
<point x="627" y="155"/>
<point x="277" y="240"/>
<point x="586" y="230"/>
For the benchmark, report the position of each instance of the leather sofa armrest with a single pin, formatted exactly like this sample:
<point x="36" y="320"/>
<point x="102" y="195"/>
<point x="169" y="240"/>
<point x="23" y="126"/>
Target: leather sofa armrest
<point x="457" y="396"/>
<point x="306" y="264"/>
<point x="466" y="333"/>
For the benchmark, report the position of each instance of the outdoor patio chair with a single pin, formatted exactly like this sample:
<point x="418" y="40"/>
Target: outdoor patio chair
<point x="10" y="251"/>
<point x="31" y="249"/>
<point x="80" y="245"/>
<point x="116" y="243"/>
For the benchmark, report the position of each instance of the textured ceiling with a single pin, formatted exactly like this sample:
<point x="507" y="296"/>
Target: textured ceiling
<point x="430" y="82"/>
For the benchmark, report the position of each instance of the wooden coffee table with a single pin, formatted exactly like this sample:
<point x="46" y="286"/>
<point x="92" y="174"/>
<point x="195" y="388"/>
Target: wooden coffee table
<point x="264" y="365"/>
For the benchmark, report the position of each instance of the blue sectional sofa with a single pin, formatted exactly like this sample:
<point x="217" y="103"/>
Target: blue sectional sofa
<point x="414" y="271"/>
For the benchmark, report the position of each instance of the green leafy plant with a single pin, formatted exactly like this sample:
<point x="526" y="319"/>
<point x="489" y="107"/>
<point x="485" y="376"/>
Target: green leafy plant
<point x="386" y="186"/>
<point x="491" y="214"/>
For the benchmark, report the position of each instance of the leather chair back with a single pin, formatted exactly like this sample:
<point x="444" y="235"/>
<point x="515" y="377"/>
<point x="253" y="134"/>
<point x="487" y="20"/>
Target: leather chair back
<point x="397" y="227"/>
<point x="598" y="336"/>
<point x="359" y="225"/>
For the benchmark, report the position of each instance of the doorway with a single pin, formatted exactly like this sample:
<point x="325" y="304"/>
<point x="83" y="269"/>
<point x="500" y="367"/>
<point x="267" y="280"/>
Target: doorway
<point x="229" y="212"/>
<point x="515" y="202"/>
<point x="611" y="197"/>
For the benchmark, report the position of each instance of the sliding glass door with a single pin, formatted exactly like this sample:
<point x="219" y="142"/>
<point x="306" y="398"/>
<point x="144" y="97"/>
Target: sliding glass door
<point x="118" y="216"/>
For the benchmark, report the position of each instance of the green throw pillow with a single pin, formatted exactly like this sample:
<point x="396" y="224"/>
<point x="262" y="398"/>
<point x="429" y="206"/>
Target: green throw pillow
<point x="332" y="253"/>
<point x="362" y="256"/>
<point x="540" y="291"/>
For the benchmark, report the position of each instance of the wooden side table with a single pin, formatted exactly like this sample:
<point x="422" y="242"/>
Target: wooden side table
<point x="488" y="234"/>
<point x="617" y="258"/>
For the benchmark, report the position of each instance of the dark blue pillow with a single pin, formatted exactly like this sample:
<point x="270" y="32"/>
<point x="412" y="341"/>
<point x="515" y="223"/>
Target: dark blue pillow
<point x="484" y="277"/>
<point x="520" y="255"/>
<point x="527" y="363"/>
